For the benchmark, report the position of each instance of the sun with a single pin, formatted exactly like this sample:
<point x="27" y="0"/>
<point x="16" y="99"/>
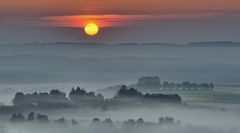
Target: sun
<point x="91" y="29"/>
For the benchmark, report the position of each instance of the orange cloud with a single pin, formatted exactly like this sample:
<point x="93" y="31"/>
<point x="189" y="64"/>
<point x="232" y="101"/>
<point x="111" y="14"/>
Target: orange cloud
<point x="63" y="7"/>
<point x="114" y="20"/>
<point x="101" y="20"/>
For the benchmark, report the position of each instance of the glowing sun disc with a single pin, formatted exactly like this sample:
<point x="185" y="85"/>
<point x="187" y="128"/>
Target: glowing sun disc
<point x="91" y="29"/>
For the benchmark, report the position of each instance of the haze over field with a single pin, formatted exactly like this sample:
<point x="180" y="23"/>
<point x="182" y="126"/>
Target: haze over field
<point x="102" y="64"/>
<point x="119" y="66"/>
<point x="40" y="67"/>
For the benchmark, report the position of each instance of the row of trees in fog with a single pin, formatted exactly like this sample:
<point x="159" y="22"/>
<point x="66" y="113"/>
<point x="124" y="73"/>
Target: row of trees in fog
<point x="187" y="86"/>
<point x="125" y="92"/>
<point x="19" y="117"/>
<point x="39" y="118"/>
<point x="97" y="122"/>
<point x="154" y="83"/>
<point x="56" y="98"/>
<point x="140" y="122"/>
<point x="80" y="98"/>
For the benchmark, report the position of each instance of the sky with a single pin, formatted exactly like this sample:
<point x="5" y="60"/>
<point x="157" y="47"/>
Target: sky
<point x="119" y="20"/>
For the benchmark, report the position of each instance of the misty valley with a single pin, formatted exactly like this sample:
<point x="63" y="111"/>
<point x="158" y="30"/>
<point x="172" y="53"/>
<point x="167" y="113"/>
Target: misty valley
<point x="153" y="107"/>
<point x="119" y="88"/>
<point x="119" y="66"/>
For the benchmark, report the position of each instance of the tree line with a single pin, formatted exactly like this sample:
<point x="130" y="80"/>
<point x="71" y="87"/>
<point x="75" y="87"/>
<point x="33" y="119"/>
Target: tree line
<point x="38" y="118"/>
<point x="153" y="82"/>
<point x="140" y="122"/>
<point x="80" y="98"/>
<point x="32" y="117"/>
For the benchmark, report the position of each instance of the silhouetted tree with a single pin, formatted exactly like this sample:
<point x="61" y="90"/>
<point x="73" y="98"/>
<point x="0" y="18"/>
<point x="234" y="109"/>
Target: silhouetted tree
<point x="61" y="121"/>
<point x="82" y="98"/>
<point x="108" y="122"/>
<point x="74" y="122"/>
<point x="19" y="99"/>
<point x="53" y="99"/>
<point x="140" y="122"/>
<point x="17" y="117"/>
<point x="42" y="118"/>
<point x="56" y="92"/>
<point x="96" y="121"/>
<point x="166" y="120"/>
<point x="31" y="116"/>
<point x="125" y="92"/>
<point x="211" y="86"/>
<point x="130" y="123"/>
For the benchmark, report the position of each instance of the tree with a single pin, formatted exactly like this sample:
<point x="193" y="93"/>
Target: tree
<point x="61" y="121"/>
<point x="17" y="117"/>
<point x="74" y="122"/>
<point x="161" y="120"/>
<point x="56" y="92"/>
<point x="31" y="116"/>
<point x="18" y="99"/>
<point x="96" y="121"/>
<point x="108" y="121"/>
<point x="169" y="120"/>
<point x="140" y="122"/>
<point x="211" y="86"/>
<point x="129" y="123"/>
<point x="42" y="118"/>
<point x="166" y="120"/>
<point x="125" y="92"/>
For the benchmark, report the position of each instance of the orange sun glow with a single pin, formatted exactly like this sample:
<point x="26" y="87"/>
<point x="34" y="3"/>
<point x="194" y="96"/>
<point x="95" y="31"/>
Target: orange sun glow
<point x="91" y="29"/>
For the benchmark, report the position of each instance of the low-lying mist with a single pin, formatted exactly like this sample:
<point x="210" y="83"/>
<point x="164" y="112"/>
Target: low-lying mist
<point x="40" y="68"/>
<point x="187" y="118"/>
<point x="193" y="119"/>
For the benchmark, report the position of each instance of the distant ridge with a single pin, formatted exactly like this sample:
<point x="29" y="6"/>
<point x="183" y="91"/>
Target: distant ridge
<point x="201" y="43"/>
<point x="209" y="43"/>
<point x="153" y="43"/>
<point x="56" y="43"/>
<point x="214" y="43"/>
